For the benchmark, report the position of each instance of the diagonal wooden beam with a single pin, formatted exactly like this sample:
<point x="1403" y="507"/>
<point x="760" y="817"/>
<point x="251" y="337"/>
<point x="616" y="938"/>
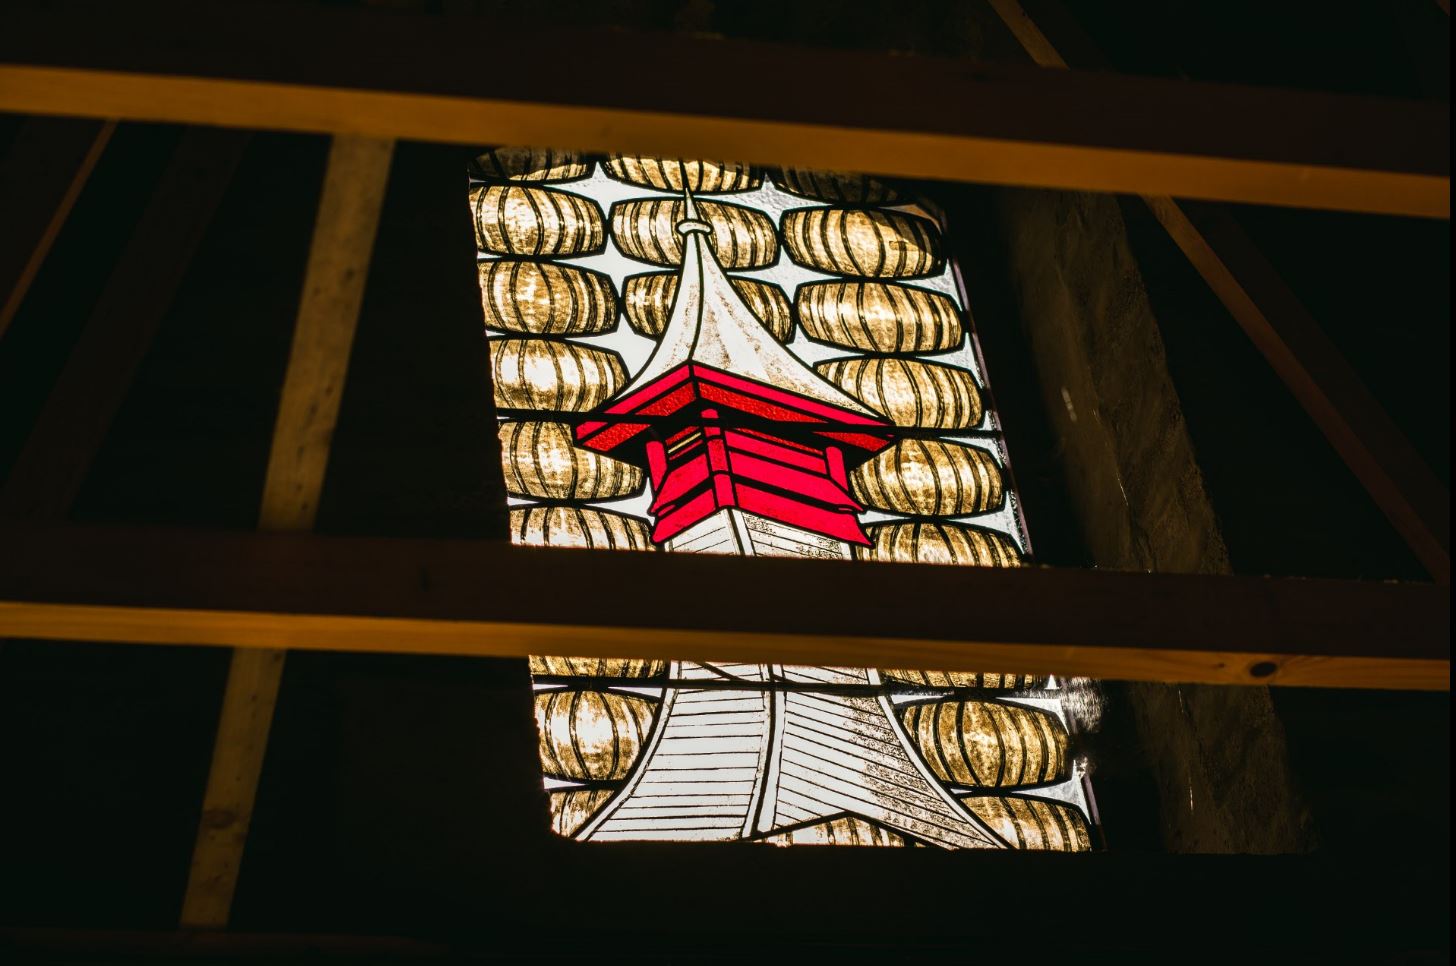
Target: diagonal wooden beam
<point x="488" y="598"/>
<point x="333" y="290"/>
<point x="41" y="176"/>
<point x="57" y="455"/>
<point x="338" y="71"/>
<point x="1311" y="367"/>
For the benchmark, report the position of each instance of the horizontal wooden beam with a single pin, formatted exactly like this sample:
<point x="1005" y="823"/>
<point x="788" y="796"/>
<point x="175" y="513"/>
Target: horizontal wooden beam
<point x="476" y="80"/>
<point x="491" y="599"/>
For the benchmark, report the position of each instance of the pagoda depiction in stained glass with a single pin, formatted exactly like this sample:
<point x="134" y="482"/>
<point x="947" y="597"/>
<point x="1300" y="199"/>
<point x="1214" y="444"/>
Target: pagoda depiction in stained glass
<point x="747" y="451"/>
<point x="823" y="404"/>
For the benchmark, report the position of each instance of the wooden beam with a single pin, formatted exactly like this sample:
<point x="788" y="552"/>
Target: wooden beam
<point x="333" y="290"/>
<point x="71" y="427"/>
<point x="1316" y="373"/>
<point x="341" y="71"/>
<point x="41" y="176"/>
<point x="1354" y="422"/>
<point x="489" y="598"/>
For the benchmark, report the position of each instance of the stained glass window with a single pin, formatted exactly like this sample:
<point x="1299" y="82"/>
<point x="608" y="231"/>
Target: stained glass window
<point x="695" y="356"/>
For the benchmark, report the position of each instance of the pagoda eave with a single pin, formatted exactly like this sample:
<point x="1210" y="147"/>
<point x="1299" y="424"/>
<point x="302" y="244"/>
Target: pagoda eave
<point x="694" y="386"/>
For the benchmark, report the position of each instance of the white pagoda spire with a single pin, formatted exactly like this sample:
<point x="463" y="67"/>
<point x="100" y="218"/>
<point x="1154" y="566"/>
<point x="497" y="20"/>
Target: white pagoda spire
<point x="728" y="763"/>
<point x="710" y="324"/>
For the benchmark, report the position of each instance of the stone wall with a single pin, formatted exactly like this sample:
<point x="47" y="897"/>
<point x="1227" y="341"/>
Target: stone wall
<point x="1217" y="754"/>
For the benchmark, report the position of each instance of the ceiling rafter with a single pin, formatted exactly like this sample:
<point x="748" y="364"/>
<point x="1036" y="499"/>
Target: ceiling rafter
<point x="336" y="71"/>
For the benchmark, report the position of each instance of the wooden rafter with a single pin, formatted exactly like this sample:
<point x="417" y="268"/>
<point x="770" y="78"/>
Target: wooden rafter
<point x="41" y="176"/>
<point x="490" y="598"/>
<point x="333" y="290"/>
<point x="58" y="453"/>
<point x="334" y="71"/>
<point x="1354" y="422"/>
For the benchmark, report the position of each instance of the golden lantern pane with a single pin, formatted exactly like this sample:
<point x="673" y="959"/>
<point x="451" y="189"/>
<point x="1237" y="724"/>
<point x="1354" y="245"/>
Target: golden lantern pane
<point x="536" y="222"/>
<point x="598" y="667"/>
<point x="835" y="186"/>
<point x="939" y="542"/>
<point x="542" y="460"/>
<point x="909" y="392"/>
<point x="930" y="477"/>
<point x="647" y="301"/>
<point x="988" y="744"/>
<point x="542" y="298"/>
<point x="550" y="376"/>
<point x="572" y="809"/>
<point x="1033" y="824"/>
<point x="538" y="165"/>
<point x="701" y="176"/>
<point x="583" y="527"/>
<point x="646" y="229"/>
<point x="863" y="242"/>
<point x="879" y="316"/>
<point x="591" y="735"/>
<point x="847" y="830"/>
<point x="967" y="679"/>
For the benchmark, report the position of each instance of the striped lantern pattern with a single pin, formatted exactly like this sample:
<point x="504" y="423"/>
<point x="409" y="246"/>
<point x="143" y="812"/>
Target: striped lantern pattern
<point x="540" y="165"/>
<point x="541" y="460"/>
<point x="647" y="300"/>
<point x="909" y="392"/>
<point x="845" y="830"/>
<point x="988" y="744"/>
<point x="863" y="242"/>
<point x="930" y="477"/>
<point x="542" y="298"/>
<point x="589" y="734"/>
<point x="646" y="229"/>
<point x="939" y="542"/>
<point x="967" y="679"/>
<point x="572" y="809"/>
<point x="878" y="316"/>
<point x="1032" y="823"/>
<point x="573" y="526"/>
<point x="836" y="187"/>
<point x="669" y="174"/>
<point x="536" y="222"/>
<point x="551" y="376"/>
<point x="606" y="667"/>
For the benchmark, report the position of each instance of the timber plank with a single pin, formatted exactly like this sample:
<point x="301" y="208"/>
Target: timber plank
<point x="488" y="598"/>
<point x="333" y="290"/>
<point x="1083" y="131"/>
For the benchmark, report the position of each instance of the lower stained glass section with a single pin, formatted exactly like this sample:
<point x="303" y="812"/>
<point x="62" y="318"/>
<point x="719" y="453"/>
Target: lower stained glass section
<point x="792" y="755"/>
<point x="784" y="368"/>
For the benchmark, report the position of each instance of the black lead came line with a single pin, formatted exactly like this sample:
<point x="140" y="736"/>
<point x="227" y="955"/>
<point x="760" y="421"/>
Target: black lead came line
<point x="808" y="687"/>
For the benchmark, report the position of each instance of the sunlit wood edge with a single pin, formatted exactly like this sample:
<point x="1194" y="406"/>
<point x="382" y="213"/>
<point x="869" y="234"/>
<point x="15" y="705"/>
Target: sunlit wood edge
<point x="294" y="107"/>
<point x="392" y="635"/>
<point x="338" y="265"/>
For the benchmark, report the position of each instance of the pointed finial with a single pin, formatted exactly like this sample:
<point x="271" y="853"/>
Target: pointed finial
<point x="691" y="222"/>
